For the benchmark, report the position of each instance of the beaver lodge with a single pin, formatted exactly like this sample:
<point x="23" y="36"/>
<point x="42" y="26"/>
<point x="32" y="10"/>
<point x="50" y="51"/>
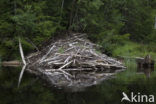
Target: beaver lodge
<point x="71" y="61"/>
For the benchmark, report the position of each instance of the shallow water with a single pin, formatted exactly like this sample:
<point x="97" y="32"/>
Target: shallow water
<point x="34" y="91"/>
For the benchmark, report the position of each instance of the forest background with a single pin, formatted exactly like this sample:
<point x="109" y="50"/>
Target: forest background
<point x="121" y="27"/>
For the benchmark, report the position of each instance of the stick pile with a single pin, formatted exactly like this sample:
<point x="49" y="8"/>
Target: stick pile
<point x="72" y="61"/>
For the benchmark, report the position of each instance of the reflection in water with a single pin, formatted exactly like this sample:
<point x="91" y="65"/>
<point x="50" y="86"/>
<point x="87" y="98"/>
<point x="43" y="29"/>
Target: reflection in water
<point x="34" y="91"/>
<point x="146" y="71"/>
<point x="145" y="65"/>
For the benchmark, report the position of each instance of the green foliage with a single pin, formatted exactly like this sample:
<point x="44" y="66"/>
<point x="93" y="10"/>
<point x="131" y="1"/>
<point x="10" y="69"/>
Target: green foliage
<point x="111" y="42"/>
<point x="135" y="50"/>
<point x="25" y="24"/>
<point x="29" y="20"/>
<point x="108" y="23"/>
<point x="105" y="21"/>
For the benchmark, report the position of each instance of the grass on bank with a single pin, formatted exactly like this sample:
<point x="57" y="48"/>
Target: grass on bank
<point x="132" y="49"/>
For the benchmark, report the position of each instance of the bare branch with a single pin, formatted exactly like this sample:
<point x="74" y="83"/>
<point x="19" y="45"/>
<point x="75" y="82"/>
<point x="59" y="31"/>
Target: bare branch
<point x="21" y="52"/>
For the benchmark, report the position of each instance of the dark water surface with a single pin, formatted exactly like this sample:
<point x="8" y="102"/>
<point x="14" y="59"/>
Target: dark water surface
<point x="34" y="91"/>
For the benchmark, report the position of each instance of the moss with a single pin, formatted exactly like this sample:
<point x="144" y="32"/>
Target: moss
<point x="97" y="51"/>
<point x="61" y="50"/>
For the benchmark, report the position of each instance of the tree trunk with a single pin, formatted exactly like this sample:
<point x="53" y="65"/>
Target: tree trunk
<point x="72" y="14"/>
<point x="155" y="23"/>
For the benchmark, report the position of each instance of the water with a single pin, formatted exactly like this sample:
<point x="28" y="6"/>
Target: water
<point x="34" y="91"/>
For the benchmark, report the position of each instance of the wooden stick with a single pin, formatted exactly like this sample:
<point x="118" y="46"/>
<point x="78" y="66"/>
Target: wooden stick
<point x="64" y="67"/>
<point x="21" y="52"/>
<point x="21" y="75"/>
<point x="70" y="69"/>
<point x="47" y="53"/>
<point x="67" y="59"/>
<point x="24" y="62"/>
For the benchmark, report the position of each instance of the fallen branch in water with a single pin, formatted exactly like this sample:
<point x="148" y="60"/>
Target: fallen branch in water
<point x="11" y="63"/>
<point x="24" y="62"/>
<point x="128" y="57"/>
<point x="21" y="52"/>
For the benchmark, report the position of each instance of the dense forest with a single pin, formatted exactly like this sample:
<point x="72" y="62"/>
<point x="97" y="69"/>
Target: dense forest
<point x="121" y="27"/>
